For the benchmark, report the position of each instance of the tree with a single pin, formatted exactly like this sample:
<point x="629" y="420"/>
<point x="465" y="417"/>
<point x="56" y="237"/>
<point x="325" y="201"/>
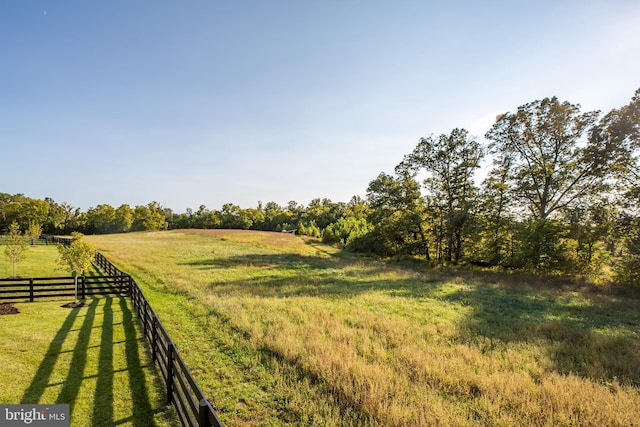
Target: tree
<point x="149" y="218"/>
<point x="346" y="231"/>
<point x="34" y="231"/>
<point x="77" y="257"/>
<point x="551" y="165"/>
<point x="100" y="219"/>
<point x="234" y="217"/>
<point x="449" y="163"/>
<point x="619" y="133"/>
<point x="495" y="243"/>
<point x="323" y="212"/>
<point x="122" y="219"/>
<point x="398" y="214"/>
<point x="15" y="245"/>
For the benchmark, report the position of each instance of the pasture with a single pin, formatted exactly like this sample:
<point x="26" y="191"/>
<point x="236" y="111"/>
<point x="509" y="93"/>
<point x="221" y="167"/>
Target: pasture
<point x="281" y="330"/>
<point x="93" y="358"/>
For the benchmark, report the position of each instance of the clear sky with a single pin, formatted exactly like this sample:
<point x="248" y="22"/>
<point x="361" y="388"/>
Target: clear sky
<point x="208" y="102"/>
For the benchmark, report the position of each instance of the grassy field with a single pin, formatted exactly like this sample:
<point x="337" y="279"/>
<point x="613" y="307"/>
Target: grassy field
<point x="93" y="358"/>
<point x="279" y="330"/>
<point x="39" y="261"/>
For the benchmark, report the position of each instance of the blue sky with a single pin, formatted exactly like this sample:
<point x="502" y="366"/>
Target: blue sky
<point x="208" y="102"/>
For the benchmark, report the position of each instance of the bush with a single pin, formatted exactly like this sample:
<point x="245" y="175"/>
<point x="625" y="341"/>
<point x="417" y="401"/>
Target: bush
<point x="346" y="231"/>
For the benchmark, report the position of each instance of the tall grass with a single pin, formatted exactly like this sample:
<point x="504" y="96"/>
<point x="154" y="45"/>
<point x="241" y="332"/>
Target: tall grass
<point x="281" y="330"/>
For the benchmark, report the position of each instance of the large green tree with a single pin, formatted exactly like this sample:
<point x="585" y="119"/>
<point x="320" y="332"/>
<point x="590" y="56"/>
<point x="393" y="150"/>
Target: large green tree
<point x="552" y="166"/>
<point x="449" y="163"/>
<point x="398" y="214"/>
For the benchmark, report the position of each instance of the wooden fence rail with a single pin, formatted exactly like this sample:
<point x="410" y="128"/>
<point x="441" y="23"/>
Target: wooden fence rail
<point x="16" y="290"/>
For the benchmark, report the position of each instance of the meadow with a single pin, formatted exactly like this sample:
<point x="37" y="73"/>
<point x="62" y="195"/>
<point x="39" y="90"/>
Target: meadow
<point x="283" y="330"/>
<point x="93" y="358"/>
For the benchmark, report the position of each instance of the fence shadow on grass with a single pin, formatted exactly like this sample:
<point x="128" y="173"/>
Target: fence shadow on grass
<point x="100" y="353"/>
<point x="40" y="381"/>
<point x="142" y="408"/>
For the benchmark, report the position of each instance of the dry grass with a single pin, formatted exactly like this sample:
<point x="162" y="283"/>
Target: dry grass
<point x="281" y="330"/>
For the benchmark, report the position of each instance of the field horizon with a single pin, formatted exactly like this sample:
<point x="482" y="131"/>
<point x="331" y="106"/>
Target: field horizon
<point x="284" y="330"/>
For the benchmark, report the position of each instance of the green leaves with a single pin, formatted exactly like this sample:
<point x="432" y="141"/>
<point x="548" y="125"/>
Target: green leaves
<point x="78" y="256"/>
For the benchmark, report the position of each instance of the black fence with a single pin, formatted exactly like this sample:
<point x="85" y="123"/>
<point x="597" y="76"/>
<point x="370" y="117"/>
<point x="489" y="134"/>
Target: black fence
<point x="16" y="290"/>
<point x="183" y="391"/>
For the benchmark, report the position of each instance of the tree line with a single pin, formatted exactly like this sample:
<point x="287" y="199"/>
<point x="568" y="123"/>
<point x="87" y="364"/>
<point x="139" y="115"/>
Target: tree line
<point x="562" y="194"/>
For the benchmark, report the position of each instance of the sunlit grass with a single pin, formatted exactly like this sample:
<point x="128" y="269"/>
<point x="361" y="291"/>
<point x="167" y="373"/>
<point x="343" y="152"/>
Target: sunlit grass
<point x="93" y="358"/>
<point x="38" y="261"/>
<point x="280" y="330"/>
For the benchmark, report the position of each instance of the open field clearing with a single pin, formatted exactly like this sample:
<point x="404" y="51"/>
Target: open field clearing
<point x="279" y="330"/>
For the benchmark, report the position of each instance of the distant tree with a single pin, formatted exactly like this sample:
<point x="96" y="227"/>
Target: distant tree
<point x="234" y="217"/>
<point x="71" y="219"/>
<point x="323" y="212"/>
<point x="309" y="229"/>
<point x="15" y="245"/>
<point x="77" y="257"/>
<point x="358" y="208"/>
<point x="100" y="219"/>
<point x="55" y="218"/>
<point x="122" y="219"/>
<point x="618" y="132"/>
<point x="549" y="168"/>
<point x="25" y="209"/>
<point x="149" y="218"/>
<point x="275" y="215"/>
<point x="34" y="231"/>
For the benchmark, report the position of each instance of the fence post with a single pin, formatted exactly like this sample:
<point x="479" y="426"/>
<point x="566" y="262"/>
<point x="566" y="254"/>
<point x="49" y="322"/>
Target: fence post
<point x="31" y="296"/>
<point x="203" y="414"/>
<point x="170" y="353"/>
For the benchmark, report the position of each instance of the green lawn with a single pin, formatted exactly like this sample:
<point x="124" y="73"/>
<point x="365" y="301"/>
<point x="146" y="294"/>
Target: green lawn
<point x="93" y="358"/>
<point x="281" y="330"/>
<point x="39" y="261"/>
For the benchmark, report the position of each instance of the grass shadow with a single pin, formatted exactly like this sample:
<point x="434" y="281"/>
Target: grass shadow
<point x="584" y="334"/>
<point x="586" y="331"/>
